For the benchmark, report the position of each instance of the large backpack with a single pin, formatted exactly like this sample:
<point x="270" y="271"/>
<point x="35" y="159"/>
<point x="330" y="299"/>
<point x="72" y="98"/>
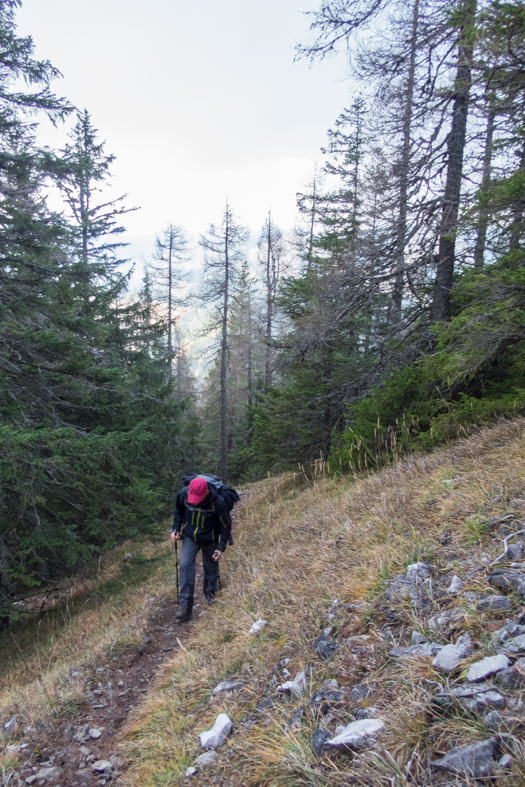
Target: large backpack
<point x="228" y="494"/>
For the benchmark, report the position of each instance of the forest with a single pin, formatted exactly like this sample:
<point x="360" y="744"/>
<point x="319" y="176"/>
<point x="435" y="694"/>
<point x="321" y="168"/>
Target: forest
<point x="391" y="319"/>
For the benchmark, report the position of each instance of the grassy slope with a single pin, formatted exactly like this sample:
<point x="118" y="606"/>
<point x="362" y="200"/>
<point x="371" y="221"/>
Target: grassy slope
<point x="296" y="550"/>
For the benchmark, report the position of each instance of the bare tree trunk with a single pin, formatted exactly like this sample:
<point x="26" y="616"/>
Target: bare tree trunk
<point x="170" y="301"/>
<point x="397" y="295"/>
<point x="516" y="227"/>
<point x="479" y="249"/>
<point x="223" y="464"/>
<point x="312" y="222"/>
<point x="455" y="155"/>
<point x="249" y="370"/>
<point x="269" y="300"/>
<point x="179" y="370"/>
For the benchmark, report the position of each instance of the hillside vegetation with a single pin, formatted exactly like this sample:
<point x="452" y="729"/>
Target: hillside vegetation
<point x="308" y="554"/>
<point x="298" y="549"/>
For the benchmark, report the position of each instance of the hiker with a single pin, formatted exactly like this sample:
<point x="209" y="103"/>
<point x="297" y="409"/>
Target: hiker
<point x="202" y="520"/>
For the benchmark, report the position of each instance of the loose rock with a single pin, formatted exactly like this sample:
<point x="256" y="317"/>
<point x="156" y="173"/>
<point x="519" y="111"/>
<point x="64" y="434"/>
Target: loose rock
<point x="49" y="773"/>
<point x="216" y="736"/>
<point x="285" y="688"/>
<point x="227" y="685"/>
<point x="10" y="725"/>
<point x="486" y="667"/>
<point x="515" y="551"/>
<point x="456" y="585"/>
<point x="490" y="699"/>
<point x="324" y="644"/>
<point x="516" y="644"/>
<point x="418" y="572"/>
<point x="365" y="713"/>
<point x="450" y="657"/>
<point x="94" y="734"/>
<point x="475" y="761"/>
<point x="494" y="603"/>
<point x="298" y="685"/>
<point x="258" y="626"/>
<point x="401" y="587"/>
<point x="101" y="765"/>
<point x="206" y="759"/>
<point x="512" y="677"/>
<point x="506" y="578"/>
<point x="495" y="721"/>
<point x="319" y="739"/>
<point x="425" y="649"/>
<point x="357" y="734"/>
<point x="329" y="694"/>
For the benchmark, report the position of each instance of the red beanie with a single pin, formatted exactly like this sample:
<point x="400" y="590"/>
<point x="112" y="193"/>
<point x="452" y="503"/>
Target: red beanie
<point x="197" y="491"/>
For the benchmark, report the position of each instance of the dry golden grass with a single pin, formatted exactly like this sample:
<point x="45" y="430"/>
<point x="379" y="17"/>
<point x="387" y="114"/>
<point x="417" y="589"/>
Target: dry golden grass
<point x="299" y="545"/>
<point x="297" y="548"/>
<point x="109" y="612"/>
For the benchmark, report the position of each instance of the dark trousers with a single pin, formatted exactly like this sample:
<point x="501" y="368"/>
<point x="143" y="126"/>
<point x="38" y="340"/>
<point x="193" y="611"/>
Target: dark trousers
<point x="188" y="558"/>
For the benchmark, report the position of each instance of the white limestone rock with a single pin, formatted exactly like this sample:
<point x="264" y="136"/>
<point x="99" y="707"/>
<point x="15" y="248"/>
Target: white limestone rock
<point x="357" y="734"/>
<point x="515" y="644"/>
<point x="285" y="687"/>
<point x="216" y="736"/>
<point x="52" y="773"/>
<point x="418" y="572"/>
<point x="450" y="657"/>
<point x="258" y="626"/>
<point x="101" y="765"/>
<point x="486" y="667"/>
<point x="227" y="685"/>
<point x="298" y="686"/>
<point x="456" y="585"/>
<point x="206" y="759"/>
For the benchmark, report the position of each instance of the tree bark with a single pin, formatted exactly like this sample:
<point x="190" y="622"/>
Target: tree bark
<point x="479" y="249"/>
<point x="224" y="353"/>
<point x="269" y="302"/>
<point x="170" y="298"/>
<point x="397" y="295"/>
<point x="455" y="156"/>
<point x="516" y="227"/>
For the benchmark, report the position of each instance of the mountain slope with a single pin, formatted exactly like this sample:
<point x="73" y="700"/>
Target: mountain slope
<point x="308" y="556"/>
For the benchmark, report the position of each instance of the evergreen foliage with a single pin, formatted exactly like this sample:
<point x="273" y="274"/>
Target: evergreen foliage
<point x="92" y="439"/>
<point x="391" y="321"/>
<point x="406" y="316"/>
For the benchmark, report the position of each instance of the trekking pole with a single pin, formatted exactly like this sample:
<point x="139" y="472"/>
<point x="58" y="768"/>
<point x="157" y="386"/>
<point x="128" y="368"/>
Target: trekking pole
<point x="177" y="569"/>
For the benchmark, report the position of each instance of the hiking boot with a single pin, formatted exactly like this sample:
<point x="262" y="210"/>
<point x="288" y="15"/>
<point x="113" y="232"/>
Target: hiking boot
<point x="184" y="613"/>
<point x="210" y="598"/>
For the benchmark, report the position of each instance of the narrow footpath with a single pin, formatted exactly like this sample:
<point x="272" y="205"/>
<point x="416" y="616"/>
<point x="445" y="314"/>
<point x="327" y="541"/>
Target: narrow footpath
<point x="81" y="748"/>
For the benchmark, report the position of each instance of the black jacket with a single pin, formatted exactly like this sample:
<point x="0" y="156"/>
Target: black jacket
<point x="209" y="521"/>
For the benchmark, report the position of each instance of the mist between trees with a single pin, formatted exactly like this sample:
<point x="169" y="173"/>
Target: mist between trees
<point x="390" y="319"/>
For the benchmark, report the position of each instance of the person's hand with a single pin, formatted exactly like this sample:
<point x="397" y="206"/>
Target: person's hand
<point x="175" y="536"/>
<point x="217" y="555"/>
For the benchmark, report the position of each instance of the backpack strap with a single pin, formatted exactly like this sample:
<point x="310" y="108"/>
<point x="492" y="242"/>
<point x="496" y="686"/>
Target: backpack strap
<point x="198" y="508"/>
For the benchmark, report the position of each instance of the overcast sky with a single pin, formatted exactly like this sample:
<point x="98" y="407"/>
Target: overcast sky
<point x="199" y="101"/>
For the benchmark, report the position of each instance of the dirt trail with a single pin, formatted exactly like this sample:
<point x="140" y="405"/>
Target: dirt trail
<point x="67" y="748"/>
<point x="116" y="687"/>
